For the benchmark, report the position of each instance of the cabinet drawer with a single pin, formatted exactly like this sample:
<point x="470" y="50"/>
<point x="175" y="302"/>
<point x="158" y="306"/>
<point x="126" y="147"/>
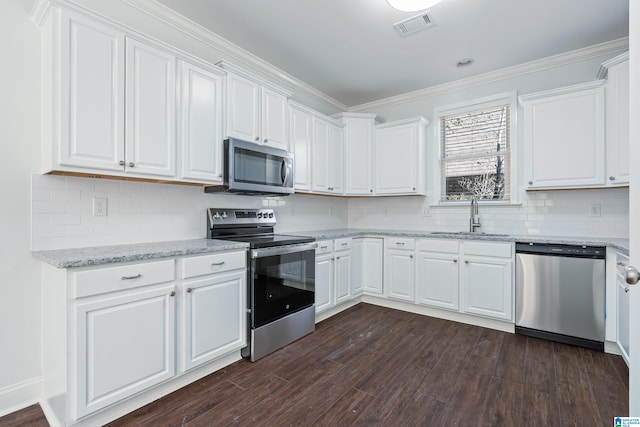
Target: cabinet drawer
<point x="110" y="279"/>
<point x="401" y="243"/>
<point x="324" y="246"/>
<point x="492" y="249"/>
<point x="438" y="245"/>
<point x="342" y="244"/>
<point x="214" y="263"/>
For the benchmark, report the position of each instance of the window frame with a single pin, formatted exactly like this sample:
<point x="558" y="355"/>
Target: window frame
<point x="487" y="102"/>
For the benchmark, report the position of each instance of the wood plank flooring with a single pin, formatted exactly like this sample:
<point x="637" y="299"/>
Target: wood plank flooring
<point x="371" y="365"/>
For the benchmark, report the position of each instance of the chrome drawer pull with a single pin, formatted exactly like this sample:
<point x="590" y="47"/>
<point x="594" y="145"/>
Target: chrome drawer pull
<point x="137" y="276"/>
<point x="217" y="264"/>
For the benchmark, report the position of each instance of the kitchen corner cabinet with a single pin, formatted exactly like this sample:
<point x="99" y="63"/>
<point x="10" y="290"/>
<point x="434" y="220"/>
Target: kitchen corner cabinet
<point x="200" y="122"/>
<point x="256" y="111"/>
<point x="324" y="276"/>
<point x="214" y="314"/>
<point x="342" y="254"/>
<point x="622" y="321"/>
<point x="368" y="256"/>
<point x="400" y="157"/>
<point x="358" y="149"/>
<point x="301" y="136"/>
<point x="399" y="268"/>
<point x="109" y="100"/>
<point x="327" y="157"/>
<point x="564" y="137"/>
<point x="617" y="120"/>
<point x="438" y="272"/>
<point x="487" y="286"/>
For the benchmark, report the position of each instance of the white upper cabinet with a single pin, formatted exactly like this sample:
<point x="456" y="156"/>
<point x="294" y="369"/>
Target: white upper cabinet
<point x="109" y="100"/>
<point x="200" y="123"/>
<point x="150" y="105"/>
<point x="87" y="98"/>
<point x="327" y="157"/>
<point x="564" y="137"/>
<point x="301" y="135"/>
<point x="256" y="111"/>
<point x="358" y="149"/>
<point x="400" y="157"/>
<point x="617" y="120"/>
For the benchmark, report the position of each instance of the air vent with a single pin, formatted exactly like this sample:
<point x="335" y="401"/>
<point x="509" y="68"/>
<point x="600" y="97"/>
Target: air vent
<point x="415" y="24"/>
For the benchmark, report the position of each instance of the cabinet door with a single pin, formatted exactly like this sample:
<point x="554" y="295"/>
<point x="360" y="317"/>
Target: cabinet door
<point x="399" y="274"/>
<point x="359" y="156"/>
<point x="151" y="94"/>
<point x="320" y="156"/>
<point x="618" y="125"/>
<point x="91" y="105"/>
<point x="367" y="266"/>
<point x="623" y="316"/>
<point x="357" y="266"/>
<point x="324" y="282"/>
<point x="243" y="109"/>
<point x="301" y="134"/>
<point x="437" y="281"/>
<point x="200" y="124"/>
<point x="343" y="276"/>
<point x="397" y="159"/>
<point x="275" y="120"/>
<point x="123" y="344"/>
<point x="564" y="139"/>
<point x="214" y="317"/>
<point x="336" y="159"/>
<point x="487" y="287"/>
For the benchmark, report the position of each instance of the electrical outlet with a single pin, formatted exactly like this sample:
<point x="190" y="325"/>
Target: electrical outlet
<point x="99" y="206"/>
<point x="595" y="210"/>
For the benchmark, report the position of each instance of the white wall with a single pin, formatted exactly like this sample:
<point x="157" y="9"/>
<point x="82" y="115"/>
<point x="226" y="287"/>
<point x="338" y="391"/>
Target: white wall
<point x="565" y="213"/>
<point x="19" y="151"/>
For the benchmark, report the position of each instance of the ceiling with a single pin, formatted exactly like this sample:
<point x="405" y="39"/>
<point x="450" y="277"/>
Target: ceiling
<point x="349" y="50"/>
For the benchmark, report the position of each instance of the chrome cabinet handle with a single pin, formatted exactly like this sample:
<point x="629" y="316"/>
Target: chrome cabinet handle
<point x="137" y="276"/>
<point x="612" y="178"/>
<point x="410" y="256"/>
<point x="626" y="290"/>
<point x="257" y="138"/>
<point x="217" y="264"/>
<point x="172" y="294"/>
<point x="121" y="162"/>
<point x="399" y="243"/>
<point x="530" y="182"/>
<point x="455" y="260"/>
<point x="324" y="247"/>
<point x="371" y="191"/>
<point x="621" y="264"/>
<point x="131" y="164"/>
<point x="189" y="290"/>
<point x="631" y="275"/>
<point x="264" y="140"/>
<point x="466" y="261"/>
<point x="345" y="244"/>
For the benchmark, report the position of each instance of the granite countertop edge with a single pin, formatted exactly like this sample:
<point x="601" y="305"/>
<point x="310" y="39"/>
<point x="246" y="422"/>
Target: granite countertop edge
<point x="101" y="255"/>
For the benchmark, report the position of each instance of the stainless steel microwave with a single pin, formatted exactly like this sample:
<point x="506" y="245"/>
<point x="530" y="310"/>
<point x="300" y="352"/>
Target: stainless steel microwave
<point x="255" y="169"/>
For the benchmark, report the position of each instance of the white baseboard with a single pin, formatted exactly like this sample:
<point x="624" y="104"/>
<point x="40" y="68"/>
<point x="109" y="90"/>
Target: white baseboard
<point x="20" y="395"/>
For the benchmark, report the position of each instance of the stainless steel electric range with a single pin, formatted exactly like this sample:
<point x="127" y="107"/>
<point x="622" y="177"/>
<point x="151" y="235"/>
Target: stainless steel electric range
<point x="280" y="278"/>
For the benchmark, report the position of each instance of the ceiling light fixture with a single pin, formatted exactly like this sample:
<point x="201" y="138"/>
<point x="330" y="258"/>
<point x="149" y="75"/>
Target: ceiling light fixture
<point x="412" y="5"/>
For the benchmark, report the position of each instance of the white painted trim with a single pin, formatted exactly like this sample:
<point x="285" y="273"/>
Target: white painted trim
<point x="604" y="68"/>
<point x="19" y="396"/>
<point x="248" y="60"/>
<point x="561" y="91"/>
<point x="615" y="46"/>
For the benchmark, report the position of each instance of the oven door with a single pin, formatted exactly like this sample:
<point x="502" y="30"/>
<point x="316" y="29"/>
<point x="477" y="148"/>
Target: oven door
<point x="282" y="282"/>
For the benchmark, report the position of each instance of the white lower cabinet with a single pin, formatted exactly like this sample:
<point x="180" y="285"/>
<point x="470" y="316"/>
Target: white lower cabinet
<point x="622" y="289"/>
<point x="333" y="273"/>
<point x="437" y="283"/>
<point x="324" y="276"/>
<point x="342" y="254"/>
<point x="366" y="276"/>
<point x="214" y="316"/>
<point x="399" y="269"/>
<point x="486" y="283"/>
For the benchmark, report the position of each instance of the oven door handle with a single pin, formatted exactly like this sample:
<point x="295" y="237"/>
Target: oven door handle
<point x="282" y="250"/>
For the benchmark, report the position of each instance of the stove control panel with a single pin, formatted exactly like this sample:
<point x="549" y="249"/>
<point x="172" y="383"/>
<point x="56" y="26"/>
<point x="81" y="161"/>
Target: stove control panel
<point x="241" y="216"/>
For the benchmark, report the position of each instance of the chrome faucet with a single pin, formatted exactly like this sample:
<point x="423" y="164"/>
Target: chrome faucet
<point x="474" y="219"/>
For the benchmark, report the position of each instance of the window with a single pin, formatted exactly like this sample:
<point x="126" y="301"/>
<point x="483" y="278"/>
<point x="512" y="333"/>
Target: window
<point x="475" y="151"/>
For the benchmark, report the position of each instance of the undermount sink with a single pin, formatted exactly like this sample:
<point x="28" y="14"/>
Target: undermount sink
<point x="467" y="233"/>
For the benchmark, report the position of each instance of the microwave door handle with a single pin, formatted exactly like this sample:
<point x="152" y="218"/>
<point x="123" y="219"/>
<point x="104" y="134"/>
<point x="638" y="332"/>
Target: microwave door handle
<point x="284" y="172"/>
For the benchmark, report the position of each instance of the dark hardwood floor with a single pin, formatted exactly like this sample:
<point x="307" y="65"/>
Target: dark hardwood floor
<point x="371" y="365"/>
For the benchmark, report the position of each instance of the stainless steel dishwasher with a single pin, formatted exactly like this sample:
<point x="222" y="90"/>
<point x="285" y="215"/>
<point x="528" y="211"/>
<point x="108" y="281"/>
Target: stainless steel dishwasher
<point x="560" y="291"/>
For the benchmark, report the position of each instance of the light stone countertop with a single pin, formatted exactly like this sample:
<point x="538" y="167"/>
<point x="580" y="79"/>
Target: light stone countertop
<point x="99" y="255"/>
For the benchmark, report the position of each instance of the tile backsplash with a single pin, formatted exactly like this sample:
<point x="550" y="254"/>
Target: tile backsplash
<point x="62" y="212"/>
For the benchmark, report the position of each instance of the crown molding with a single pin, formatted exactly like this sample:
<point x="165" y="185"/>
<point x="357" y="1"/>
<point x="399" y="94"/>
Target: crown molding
<point x="604" y="68"/>
<point x="615" y="46"/>
<point x="169" y="17"/>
